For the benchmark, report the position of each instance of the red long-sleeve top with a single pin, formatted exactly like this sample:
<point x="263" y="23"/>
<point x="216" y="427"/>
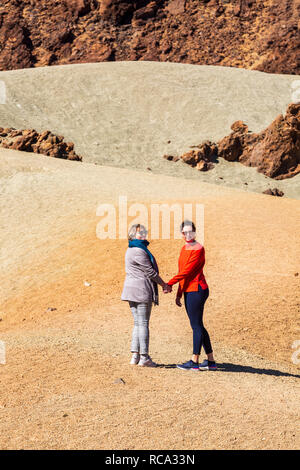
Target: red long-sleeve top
<point x="190" y="269"/>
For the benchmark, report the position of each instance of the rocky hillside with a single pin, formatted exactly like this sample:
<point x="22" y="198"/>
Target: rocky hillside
<point x="254" y="34"/>
<point x="275" y="151"/>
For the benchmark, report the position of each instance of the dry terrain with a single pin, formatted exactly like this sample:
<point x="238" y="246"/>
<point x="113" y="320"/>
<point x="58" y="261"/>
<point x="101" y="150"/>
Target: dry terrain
<point x="67" y="343"/>
<point x="130" y="114"/>
<point x="67" y="382"/>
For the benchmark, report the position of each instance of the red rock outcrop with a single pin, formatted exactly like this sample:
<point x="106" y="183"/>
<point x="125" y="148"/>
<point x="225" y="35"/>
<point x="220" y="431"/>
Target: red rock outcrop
<point x="46" y="143"/>
<point x="202" y="157"/>
<point x="274" y="192"/>
<point x="254" y="34"/>
<point x="275" y="151"/>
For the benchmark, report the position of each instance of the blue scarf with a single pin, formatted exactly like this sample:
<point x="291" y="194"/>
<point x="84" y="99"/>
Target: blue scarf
<point x="141" y="244"/>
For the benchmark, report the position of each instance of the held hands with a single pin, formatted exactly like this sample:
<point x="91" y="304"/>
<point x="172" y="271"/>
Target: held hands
<point x="167" y="289"/>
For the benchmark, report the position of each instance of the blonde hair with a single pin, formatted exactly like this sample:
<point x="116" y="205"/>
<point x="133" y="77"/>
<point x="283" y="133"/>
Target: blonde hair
<point x="133" y="229"/>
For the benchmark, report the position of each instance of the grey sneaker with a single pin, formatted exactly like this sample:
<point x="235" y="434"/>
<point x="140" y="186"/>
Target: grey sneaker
<point x="135" y="359"/>
<point x="189" y="365"/>
<point x="146" y="362"/>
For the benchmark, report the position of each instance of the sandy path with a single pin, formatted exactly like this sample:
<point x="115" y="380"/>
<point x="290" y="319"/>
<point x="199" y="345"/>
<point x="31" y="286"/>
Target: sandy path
<point x="66" y="361"/>
<point x="59" y="390"/>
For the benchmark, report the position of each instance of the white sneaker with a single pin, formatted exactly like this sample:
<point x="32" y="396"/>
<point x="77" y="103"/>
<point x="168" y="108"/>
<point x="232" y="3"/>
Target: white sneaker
<point x="146" y="362"/>
<point x="135" y="359"/>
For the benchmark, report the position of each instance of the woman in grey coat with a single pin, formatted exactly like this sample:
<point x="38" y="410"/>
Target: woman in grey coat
<point x="140" y="290"/>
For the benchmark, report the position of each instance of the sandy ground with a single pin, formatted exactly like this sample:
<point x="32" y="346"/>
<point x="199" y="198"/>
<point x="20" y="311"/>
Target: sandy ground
<point x="67" y="344"/>
<point x="130" y="114"/>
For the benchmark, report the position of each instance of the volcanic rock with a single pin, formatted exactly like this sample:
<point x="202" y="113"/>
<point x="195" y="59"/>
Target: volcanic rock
<point x="46" y="143"/>
<point x="176" y="7"/>
<point x="274" y="192"/>
<point x="204" y="154"/>
<point x="257" y="34"/>
<point x="117" y="11"/>
<point x="232" y="146"/>
<point x="275" y="151"/>
<point x="171" y="158"/>
<point x="204" y="166"/>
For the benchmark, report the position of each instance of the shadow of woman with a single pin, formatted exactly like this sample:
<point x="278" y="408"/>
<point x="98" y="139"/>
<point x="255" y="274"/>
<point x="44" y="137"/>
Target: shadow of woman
<point x="229" y="367"/>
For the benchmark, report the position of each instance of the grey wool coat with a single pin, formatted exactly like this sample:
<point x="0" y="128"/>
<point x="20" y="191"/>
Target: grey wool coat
<point x="140" y="277"/>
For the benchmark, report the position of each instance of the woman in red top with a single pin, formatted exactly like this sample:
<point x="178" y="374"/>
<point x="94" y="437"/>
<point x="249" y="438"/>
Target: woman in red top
<point x="193" y="285"/>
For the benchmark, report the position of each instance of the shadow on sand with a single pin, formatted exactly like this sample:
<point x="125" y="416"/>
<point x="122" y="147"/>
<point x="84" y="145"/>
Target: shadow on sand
<point x="229" y="367"/>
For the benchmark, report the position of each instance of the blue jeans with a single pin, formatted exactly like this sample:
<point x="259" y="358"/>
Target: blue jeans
<point x="194" y="305"/>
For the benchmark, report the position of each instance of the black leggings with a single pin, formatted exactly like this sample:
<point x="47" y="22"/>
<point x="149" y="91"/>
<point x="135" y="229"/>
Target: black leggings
<point x="194" y="305"/>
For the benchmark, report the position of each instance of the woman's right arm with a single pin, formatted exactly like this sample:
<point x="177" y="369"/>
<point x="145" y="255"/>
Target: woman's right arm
<point x="142" y="259"/>
<point x="193" y="264"/>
